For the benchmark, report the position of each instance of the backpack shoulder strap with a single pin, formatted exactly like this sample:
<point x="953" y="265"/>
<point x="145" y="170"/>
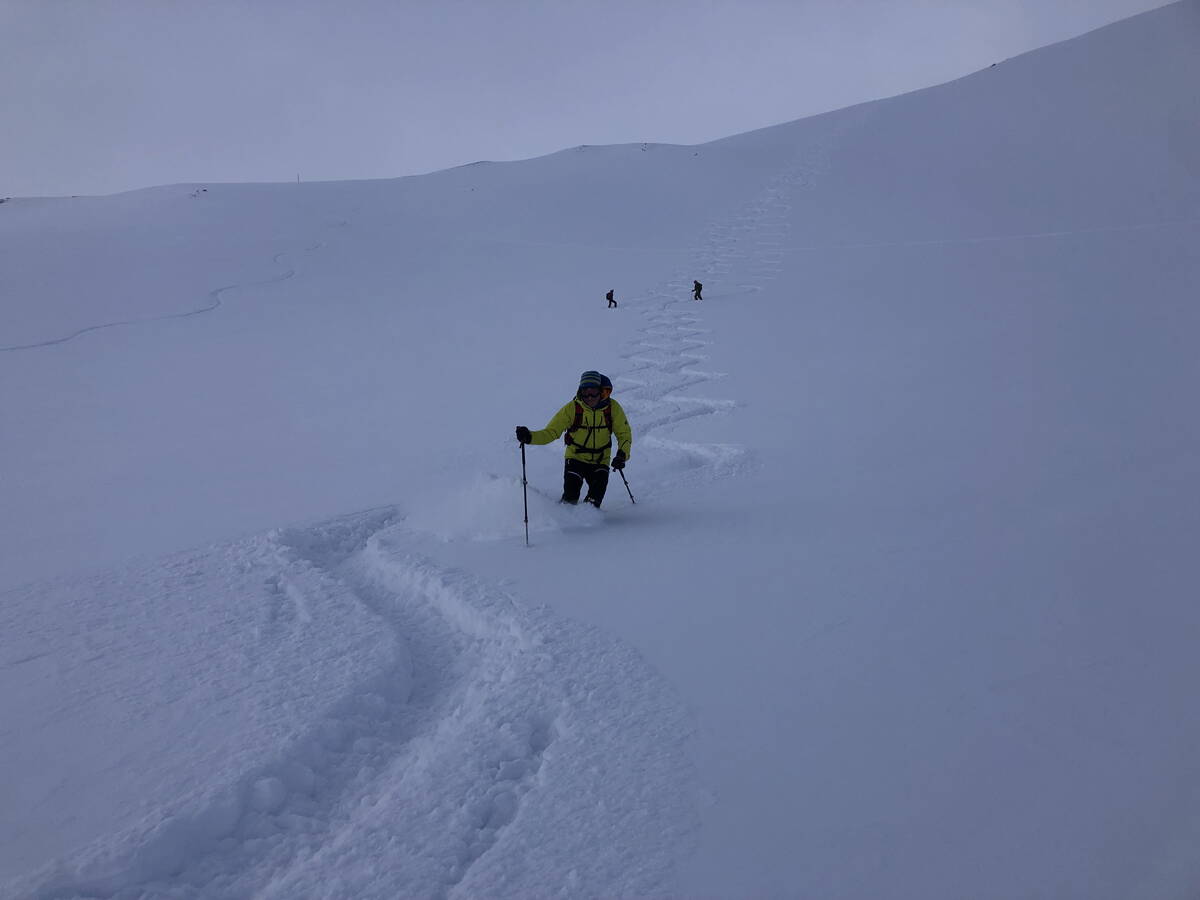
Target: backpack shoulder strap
<point x="575" y="425"/>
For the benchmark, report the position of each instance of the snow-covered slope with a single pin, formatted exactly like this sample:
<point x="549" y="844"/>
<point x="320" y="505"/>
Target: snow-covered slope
<point x="905" y="606"/>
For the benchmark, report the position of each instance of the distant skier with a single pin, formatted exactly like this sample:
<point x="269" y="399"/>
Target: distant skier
<point x="590" y="421"/>
<point x="697" y="287"/>
<point x="609" y="298"/>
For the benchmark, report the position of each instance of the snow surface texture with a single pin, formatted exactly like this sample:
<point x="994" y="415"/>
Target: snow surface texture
<point x="905" y="607"/>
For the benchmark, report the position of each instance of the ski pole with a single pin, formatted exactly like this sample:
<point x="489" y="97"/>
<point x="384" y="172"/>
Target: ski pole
<point x="623" y="478"/>
<point x="525" y="491"/>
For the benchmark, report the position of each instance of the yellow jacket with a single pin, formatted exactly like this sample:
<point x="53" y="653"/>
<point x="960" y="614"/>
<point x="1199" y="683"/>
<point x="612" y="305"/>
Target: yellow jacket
<point x="592" y="440"/>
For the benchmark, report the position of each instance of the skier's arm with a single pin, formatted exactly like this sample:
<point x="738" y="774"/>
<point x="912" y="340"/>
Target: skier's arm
<point x="622" y="430"/>
<point x="556" y="426"/>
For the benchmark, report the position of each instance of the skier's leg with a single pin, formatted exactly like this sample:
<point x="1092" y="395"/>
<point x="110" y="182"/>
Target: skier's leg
<point x="572" y="481"/>
<point x="597" y="482"/>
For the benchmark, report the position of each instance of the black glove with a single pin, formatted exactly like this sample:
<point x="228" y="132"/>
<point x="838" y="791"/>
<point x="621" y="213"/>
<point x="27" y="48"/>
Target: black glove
<point x="618" y="461"/>
<point x="523" y="435"/>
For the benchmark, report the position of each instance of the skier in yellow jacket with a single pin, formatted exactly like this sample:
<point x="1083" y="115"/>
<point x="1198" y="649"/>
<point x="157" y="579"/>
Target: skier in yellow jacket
<point x="590" y="421"/>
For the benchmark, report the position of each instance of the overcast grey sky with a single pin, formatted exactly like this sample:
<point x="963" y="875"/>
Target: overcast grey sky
<point x="98" y="96"/>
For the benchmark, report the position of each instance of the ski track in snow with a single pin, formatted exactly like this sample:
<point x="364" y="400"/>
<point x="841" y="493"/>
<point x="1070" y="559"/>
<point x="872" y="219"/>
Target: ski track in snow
<point x="502" y="705"/>
<point x="495" y="711"/>
<point x="214" y="302"/>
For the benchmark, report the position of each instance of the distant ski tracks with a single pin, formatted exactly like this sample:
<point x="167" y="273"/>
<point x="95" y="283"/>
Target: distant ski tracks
<point x="736" y="258"/>
<point x="214" y="301"/>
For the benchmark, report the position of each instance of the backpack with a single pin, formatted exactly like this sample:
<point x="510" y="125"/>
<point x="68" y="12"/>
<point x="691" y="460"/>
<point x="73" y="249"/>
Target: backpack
<point x="578" y="423"/>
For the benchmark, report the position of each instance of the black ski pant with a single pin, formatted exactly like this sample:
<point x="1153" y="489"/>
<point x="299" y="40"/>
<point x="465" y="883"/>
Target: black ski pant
<point x="576" y="472"/>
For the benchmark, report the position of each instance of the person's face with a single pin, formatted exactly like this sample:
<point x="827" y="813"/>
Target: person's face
<point x="590" y="396"/>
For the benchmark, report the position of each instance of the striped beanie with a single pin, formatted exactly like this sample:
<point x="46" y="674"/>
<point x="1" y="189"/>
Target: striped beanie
<point x="591" y="379"/>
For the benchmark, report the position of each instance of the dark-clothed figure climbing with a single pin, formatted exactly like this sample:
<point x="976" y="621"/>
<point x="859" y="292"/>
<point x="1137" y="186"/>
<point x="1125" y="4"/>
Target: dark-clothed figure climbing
<point x="697" y="287"/>
<point x="611" y="301"/>
<point x="590" y="421"/>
